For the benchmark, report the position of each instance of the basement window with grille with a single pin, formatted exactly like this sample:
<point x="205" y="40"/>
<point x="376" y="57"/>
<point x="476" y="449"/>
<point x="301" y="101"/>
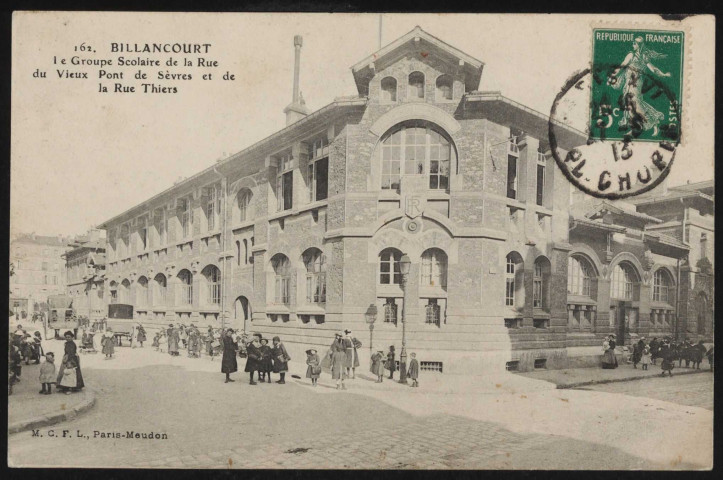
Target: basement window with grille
<point x="512" y="366"/>
<point x="540" y="363"/>
<point x="541" y="322"/>
<point x="431" y="366"/>
<point x="513" y="322"/>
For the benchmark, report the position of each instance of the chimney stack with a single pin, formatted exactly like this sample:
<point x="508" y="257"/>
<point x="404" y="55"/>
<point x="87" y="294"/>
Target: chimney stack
<point x="297" y="109"/>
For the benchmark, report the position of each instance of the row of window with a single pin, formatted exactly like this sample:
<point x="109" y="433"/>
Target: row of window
<point x="513" y="154"/>
<point x="416" y="87"/>
<point x="153" y="293"/>
<point x="623" y="280"/>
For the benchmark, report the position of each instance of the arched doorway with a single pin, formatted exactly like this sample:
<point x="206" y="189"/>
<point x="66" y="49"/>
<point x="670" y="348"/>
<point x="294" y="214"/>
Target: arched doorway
<point x="241" y="311"/>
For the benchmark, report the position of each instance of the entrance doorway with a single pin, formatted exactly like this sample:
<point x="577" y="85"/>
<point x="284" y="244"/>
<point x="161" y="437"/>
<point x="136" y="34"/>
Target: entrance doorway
<point x="626" y="320"/>
<point x="241" y="310"/>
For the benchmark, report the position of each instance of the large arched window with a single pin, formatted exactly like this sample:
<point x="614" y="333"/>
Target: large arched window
<point x="212" y="276"/>
<point x="390" y="272"/>
<point x="623" y="281"/>
<point x="142" y="292"/>
<point x="416" y="148"/>
<point x="444" y="87"/>
<point x="434" y="268"/>
<point x="159" y="290"/>
<point x="416" y="85"/>
<point x="579" y="276"/>
<point x="185" y="286"/>
<point x="389" y="90"/>
<point x="282" y="272"/>
<point x="315" y="263"/>
<point x="243" y="202"/>
<point x="124" y="293"/>
<point x="514" y="281"/>
<point x="663" y="290"/>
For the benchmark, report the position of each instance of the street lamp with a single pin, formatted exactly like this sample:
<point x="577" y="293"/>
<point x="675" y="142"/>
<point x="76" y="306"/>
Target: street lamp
<point x="404" y="265"/>
<point x="371" y="317"/>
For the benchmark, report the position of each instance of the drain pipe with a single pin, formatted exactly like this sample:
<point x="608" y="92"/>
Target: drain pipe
<point x="223" y="250"/>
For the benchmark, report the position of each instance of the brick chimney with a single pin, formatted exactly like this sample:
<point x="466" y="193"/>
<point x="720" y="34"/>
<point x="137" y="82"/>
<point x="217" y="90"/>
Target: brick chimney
<point x="296" y="110"/>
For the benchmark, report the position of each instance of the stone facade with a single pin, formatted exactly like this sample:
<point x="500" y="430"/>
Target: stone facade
<point x="488" y="243"/>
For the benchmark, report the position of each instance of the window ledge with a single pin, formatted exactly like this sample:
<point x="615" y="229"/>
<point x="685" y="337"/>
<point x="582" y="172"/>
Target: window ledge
<point x="540" y="313"/>
<point x="432" y="291"/>
<point x="184" y="308"/>
<point x="210" y="234"/>
<point x="512" y="313"/>
<point x="210" y="309"/>
<point x="183" y="241"/>
<point x="312" y="206"/>
<point x="580" y="300"/>
<point x="311" y="310"/>
<point x="389" y="291"/>
<point x="661" y="306"/>
<point x="278" y="309"/>
<point x="244" y="224"/>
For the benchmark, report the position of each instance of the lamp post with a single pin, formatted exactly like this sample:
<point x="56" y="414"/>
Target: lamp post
<point x="404" y="265"/>
<point x="371" y="317"/>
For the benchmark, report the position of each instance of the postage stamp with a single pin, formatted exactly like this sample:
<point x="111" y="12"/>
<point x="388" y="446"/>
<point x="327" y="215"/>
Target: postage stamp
<point x="631" y="98"/>
<point x="637" y="85"/>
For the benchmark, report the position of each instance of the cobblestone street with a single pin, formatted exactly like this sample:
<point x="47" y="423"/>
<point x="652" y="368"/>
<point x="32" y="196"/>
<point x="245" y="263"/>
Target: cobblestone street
<point x="450" y="422"/>
<point x="692" y="390"/>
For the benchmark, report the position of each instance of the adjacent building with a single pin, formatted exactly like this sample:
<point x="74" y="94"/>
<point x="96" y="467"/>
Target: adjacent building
<point x="302" y="234"/>
<point x="85" y="267"/>
<point x="39" y="271"/>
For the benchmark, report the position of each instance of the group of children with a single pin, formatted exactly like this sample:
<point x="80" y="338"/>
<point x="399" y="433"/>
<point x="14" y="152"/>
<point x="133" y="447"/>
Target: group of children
<point x="378" y="365"/>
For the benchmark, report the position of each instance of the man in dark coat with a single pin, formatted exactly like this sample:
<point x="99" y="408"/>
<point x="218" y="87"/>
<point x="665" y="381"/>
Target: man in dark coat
<point x="228" y="361"/>
<point x="253" y="357"/>
<point x="638" y="352"/>
<point x="654" y="348"/>
<point x="668" y="356"/>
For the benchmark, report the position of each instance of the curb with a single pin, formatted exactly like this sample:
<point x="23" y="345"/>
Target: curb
<point x="616" y="380"/>
<point x="45" y="420"/>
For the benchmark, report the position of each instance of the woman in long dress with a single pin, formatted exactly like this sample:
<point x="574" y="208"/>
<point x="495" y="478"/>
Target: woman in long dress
<point x="609" y="360"/>
<point x="281" y="359"/>
<point x="71" y="358"/>
<point x="108" y="343"/>
<point x="338" y="363"/>
<point x="638" y="114"/>
<point x="228" y="361"/>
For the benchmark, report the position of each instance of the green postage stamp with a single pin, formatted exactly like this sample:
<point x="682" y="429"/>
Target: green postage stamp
<point x="637" y="85"/>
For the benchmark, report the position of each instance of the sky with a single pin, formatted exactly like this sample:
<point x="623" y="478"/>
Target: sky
<point x="80" y="157"/>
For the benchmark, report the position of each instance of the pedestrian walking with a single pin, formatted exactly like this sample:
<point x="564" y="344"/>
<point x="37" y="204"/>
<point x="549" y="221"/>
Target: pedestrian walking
<point x="638" y="352"/>
<point x="609" y="360"/>
<point x="141" y="335"/>
<point x="37" y="347"/>
<point x="253" y="357"/>
<point x="391" y="364"/>
<point x="710" y="354"/>
<point x="654" y="348"/>
<point x="266" y="363"/>
<point x="47" y="374"/>
<point x="228" y="361"/>
<point x="313" y="370"/>
<point x="413" y="371"/>
<point x="645" y="359"/>
<point x="352" y="358"/>
<point x="182" y="336"/>
<point x="377" y="365"/>
<point x="174" y="340"/>
<point x="281" y="359"/>
<point x="70" y="361"/>
<point x="338" y="362"/>
<point x="108" y="343"/>
<point x="156" y="341"/>
<point x="668" y="356"/>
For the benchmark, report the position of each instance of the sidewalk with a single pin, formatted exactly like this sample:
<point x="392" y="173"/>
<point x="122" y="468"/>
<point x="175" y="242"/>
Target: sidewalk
<point x="27" y="409"/>
<point x="578" y="377"/>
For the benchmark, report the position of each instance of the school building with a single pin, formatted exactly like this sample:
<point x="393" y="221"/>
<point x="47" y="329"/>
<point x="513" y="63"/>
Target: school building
<point x="301" y="235"/>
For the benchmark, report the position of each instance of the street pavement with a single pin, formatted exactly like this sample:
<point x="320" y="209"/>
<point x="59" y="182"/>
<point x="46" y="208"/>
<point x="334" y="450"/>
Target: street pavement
<point x="457" y="422"/>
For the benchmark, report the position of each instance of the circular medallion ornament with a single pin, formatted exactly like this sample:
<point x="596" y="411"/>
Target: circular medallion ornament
<point x="413" y="226"/>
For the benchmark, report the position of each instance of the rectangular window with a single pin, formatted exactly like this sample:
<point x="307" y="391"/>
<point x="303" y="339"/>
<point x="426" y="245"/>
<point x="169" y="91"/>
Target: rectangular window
<point x="540" y="363"/>
<point x="390" y="311"/>
<point x="540" y="183"/>
<point x="511" y="176"/>
<point x="433" y="312"/>
<point x="186" y="216"/>
<point x="282" y="290"/>
<point x="143" y="233"/>
<point x="285" y="182"/>
<point x="213" y="206"/>
<point x="319" y="170"/>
